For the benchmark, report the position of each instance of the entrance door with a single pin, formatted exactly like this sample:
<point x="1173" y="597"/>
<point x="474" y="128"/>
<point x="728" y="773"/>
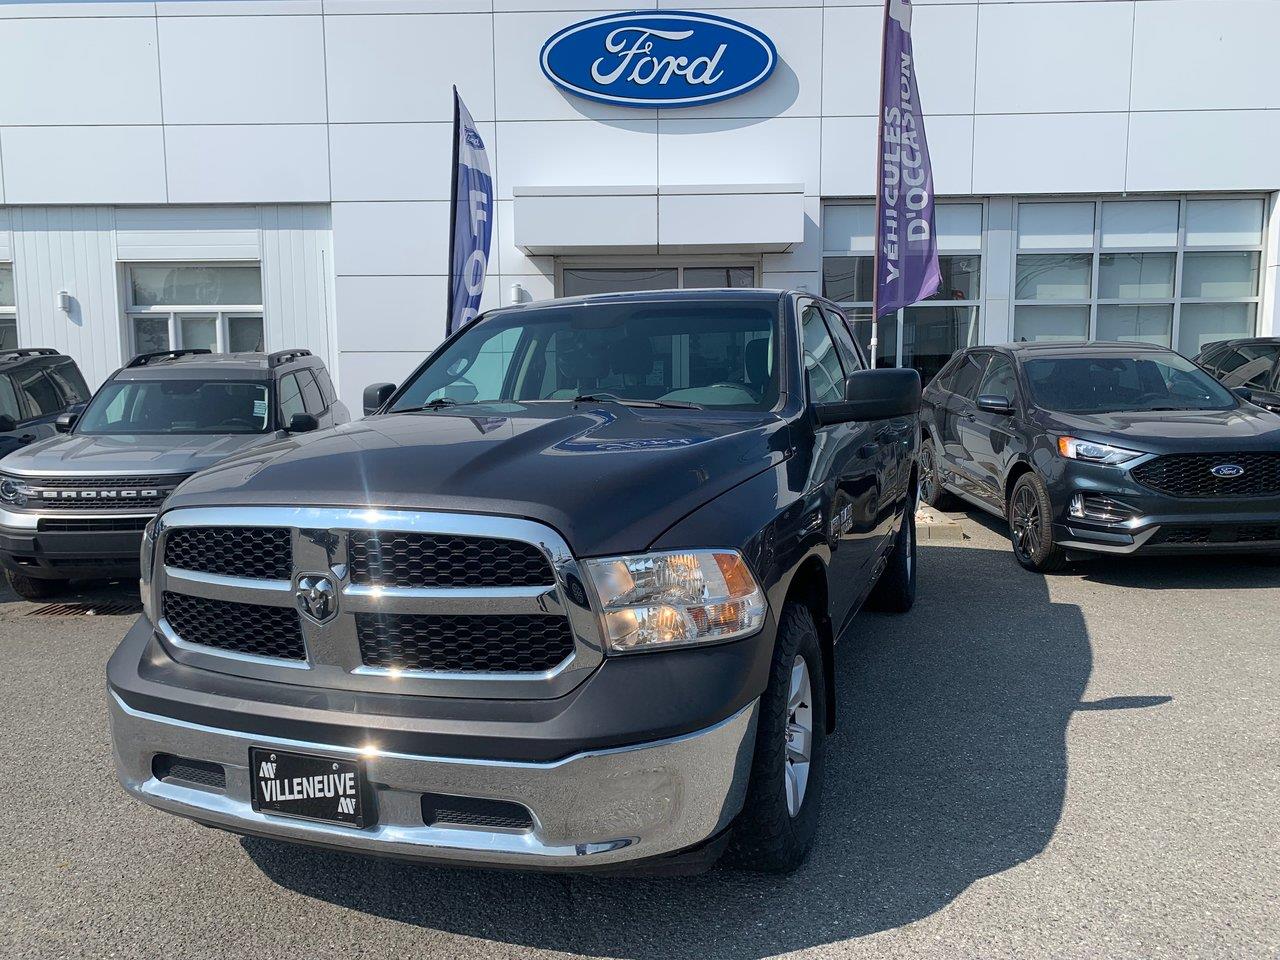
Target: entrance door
<point x="577" y="281"/>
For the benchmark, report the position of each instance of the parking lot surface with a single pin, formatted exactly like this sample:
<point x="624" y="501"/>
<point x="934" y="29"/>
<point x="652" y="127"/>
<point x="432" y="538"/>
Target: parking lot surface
<point x="1077" y="766"/>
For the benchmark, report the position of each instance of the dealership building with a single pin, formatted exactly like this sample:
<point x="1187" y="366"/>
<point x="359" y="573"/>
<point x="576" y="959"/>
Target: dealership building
<point x="248" y="174"/>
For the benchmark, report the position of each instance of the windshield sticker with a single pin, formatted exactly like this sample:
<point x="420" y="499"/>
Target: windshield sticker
<point x="259" y="408"/>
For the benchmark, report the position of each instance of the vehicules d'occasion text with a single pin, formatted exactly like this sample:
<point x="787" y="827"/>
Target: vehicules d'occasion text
<point x="566" y="599"/>
<point x="1102" y="448"/>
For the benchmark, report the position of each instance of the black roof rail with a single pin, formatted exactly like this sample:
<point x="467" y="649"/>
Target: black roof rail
<point x="145" y="359"/>
<point x="21" y="352"/>
<point x="284" y="356"/>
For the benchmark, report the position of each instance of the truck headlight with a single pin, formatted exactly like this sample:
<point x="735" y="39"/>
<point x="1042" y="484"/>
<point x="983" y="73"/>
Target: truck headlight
<point x="146" y="562"/>
<point x="1075" y="449"/>
<point x="15" y="491"/>
<point x="656" y="601"/>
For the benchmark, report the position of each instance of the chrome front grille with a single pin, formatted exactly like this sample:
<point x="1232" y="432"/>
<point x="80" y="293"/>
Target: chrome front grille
<point x="405" y="601"/>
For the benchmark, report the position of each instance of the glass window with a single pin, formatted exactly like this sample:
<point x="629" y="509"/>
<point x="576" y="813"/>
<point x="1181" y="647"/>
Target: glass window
<point x="1139" y="223"/>
<point x="1255" y="372"/>
<point x="199" y="333"/>
<point x="930" y="335"/>
<point x="1054" y="277"/>
<point x="964" y="382"/>
<point x="848" y="279"/>
<point x="8" y="332"/>
<point x="9" y="406"/>
<point x="959" y="226"/>
<point x="716" y="277"/>
<point x="40" y="392"/>
<point x="1111" y="384"/>
<point x="187" y="285"/>
<point x="849" y="228"/>
<point x="1051" y="323"/>
<point x="1136" y="323"/>
<point x="69" y="382"/>
<point x="176" y="406"/>
<point x="150" y="334"/>
<point x="712" y="353"/>
<point x="244" y="335"/>
<point x="8" y="317"/>
<point x="1135" y="276"/>
<point x="826" y="377"/>
<point x="960" y="278"/>
<point x="850" y="359"/>
<point x="999" y="380"/>
<point x="579" y="281"/>
<point x="290" y="398"/>
<point x="1203" y="323"/>
<point x="326" y="385"/>
<point x="1224" y="223"/>
<point x="1055" y="226"/>
<point x="1213" y="275"/>
<point x="6" y="285"/>
<point x="310" y="393"/>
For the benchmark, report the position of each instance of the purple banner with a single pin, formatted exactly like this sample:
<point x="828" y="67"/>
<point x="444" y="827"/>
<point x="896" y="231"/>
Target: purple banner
<point x="906" y="241"/>
<point x="471" y="232"/>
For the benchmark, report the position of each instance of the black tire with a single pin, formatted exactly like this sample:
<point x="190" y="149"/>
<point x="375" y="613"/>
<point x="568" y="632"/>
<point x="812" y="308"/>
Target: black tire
<point x="930" y="490"/>
<point x="767" y="837"/>
<point x="895" y="591"/>
<point x="32" y="588"/>
<point x="1030" y="515"/>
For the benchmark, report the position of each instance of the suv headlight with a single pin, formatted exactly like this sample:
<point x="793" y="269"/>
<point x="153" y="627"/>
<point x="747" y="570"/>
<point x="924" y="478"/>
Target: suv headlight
<point x="656" y="601"/>
<point x="1075" y="449"/>
<point x="15" y="491"/>
<point x="146" y="562"/>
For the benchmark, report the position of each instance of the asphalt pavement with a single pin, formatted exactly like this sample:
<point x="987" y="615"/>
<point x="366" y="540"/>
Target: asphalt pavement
<point x="1084" y="765"/>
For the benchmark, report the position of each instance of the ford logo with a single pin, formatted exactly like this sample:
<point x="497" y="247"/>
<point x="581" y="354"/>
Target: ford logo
<point x="1227" y="471"/>
<point x="658" y="59"/>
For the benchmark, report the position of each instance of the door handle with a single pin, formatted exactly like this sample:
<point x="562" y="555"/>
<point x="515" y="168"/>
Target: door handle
<point x="970" y="416"/>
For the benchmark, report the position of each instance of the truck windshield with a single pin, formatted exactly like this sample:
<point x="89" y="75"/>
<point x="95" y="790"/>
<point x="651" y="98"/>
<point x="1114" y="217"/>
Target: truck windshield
<point x="697" y="354"/>
<point x="177" y="406"/>
<point x="1123" y="384"/>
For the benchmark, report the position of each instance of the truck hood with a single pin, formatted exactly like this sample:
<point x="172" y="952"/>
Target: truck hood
<point x="1246" y="428"/>
<point x="116" y="456"/>
<point x="610" y="479"/>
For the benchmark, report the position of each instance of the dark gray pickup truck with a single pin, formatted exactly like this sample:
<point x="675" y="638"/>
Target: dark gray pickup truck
<point x="566" y="599"/>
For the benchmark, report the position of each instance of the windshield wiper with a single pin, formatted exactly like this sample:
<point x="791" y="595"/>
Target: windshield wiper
<point x="633" y="402"/>
<point x="439" y="403"/>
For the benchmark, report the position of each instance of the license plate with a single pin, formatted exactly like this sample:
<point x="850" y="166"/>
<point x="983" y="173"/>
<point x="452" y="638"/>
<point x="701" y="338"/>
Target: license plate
<point x="309" y="787"/>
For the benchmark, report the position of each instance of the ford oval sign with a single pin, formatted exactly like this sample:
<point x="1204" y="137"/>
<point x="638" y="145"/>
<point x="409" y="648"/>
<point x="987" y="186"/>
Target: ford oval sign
<point x="658" y="59"/>
<point x="1227" y="471"/>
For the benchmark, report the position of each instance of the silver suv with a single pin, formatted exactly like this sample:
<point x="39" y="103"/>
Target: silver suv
<point x="74" y="505"/>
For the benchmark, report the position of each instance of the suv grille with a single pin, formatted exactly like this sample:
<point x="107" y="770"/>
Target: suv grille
<point x="263" y="553"/>
<point x="463" y="644"/>
<point x="1188" y="475"/>
<point x="236" y="627"/>
<point x="103" y="493"/>
<point x="390" y="559"/>
<point x="1219" y="533"/>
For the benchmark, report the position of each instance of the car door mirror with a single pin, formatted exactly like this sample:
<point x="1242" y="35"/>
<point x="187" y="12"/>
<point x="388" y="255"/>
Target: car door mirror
<point x="1244" y="393"/>
<point x="303" y="423"/>
<point x="375" y="395"/>
<point x="64" y="423"/>
<point x="874" y="395"/>
<point x="992" y="403"/>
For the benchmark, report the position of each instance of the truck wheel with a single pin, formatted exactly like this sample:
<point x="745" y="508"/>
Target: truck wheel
<point x="1030" y="515"/>
<point x="31" y="588"/>
<point x="779" y="819"/>
<point x="895" y="591"/>
<point x="931" y="491"/>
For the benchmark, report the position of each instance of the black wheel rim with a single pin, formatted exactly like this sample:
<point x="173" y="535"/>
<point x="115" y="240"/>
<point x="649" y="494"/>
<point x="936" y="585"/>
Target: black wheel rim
<point x="928" y="481"/>
<point x="1024" y="520"/>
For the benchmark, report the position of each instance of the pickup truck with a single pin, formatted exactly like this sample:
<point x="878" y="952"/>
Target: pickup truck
<point x="565" y="599"/>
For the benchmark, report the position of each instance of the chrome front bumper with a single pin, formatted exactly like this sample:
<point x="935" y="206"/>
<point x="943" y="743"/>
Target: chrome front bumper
<point x="598" y="808"/>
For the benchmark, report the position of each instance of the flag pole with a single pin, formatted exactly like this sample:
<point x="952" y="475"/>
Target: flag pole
<point x="453" y="212"/>
<point x="879" y="168"/>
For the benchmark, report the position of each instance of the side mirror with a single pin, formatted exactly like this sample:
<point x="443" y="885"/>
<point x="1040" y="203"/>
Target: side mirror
<point x="375" y="395"/>
<point x="1244" y="393"/>
<point x="991" y="403"/>
<point x="874" y="395"/>
<point x="303" y="423"/>
<point x="7" y="423"/>
<point x="64" y="423"/>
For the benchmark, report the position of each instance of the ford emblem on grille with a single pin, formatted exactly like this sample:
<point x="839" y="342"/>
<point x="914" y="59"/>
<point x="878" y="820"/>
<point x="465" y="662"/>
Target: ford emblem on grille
<point x="1227" y="471"/>
<point x="317" y="597"/>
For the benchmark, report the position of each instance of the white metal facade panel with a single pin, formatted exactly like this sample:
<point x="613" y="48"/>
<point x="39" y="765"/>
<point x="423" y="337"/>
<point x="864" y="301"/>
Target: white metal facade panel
<point x="297" y="285"/>
<point x="187" y="233"/>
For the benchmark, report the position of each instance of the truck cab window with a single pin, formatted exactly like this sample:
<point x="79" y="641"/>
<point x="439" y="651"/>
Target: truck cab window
<point x="826" y="376"/>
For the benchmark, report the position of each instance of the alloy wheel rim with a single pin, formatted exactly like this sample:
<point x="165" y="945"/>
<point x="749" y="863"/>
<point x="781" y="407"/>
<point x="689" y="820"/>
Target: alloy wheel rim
<point x="1025" y="522"/>
<point x="798" y="735"/>
<point x="927" y="479"/>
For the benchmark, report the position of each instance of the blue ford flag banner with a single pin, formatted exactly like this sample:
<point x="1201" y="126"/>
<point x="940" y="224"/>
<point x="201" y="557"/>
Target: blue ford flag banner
<point x="471" y="233"/>
<point x="906" y="241"/>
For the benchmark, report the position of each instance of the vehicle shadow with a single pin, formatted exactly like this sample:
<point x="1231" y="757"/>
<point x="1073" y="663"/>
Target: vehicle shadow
<point x="949" y="765"/>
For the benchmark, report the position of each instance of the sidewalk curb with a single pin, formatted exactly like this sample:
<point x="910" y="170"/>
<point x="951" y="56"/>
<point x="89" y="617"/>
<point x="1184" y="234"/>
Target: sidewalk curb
<point x="932" y="525"/>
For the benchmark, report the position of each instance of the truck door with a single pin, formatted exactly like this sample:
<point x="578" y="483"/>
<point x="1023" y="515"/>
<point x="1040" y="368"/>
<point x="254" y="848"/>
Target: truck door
<point x="843" y="484"/>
